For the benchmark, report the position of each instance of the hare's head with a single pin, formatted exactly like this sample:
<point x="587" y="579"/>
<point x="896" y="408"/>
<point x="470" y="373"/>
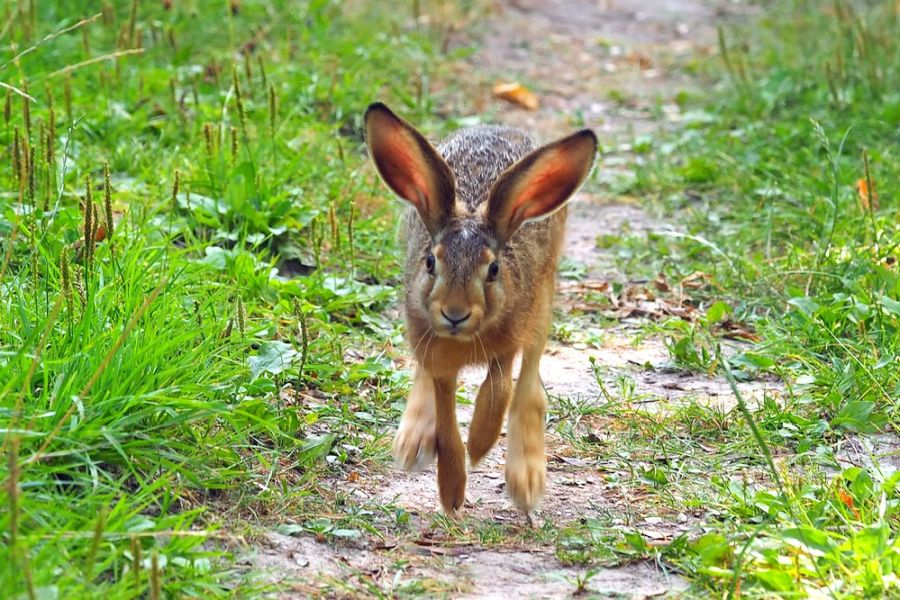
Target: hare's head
<point x="460" y="283"/>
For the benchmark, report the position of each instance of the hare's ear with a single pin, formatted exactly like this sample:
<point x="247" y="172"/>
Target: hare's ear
<point x="540" y="183"/>
<point x="410" y="165"/>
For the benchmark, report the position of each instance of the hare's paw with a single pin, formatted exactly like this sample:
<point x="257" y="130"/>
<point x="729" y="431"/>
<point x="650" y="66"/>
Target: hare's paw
<point x="451" y="472"/>
<point x="414" y="444"/>
<point x="453" y="496"/>
<point x="526" y="474"/>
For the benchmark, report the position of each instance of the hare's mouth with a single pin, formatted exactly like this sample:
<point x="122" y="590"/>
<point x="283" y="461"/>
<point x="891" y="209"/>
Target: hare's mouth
<point x="457" y="327"/>
<point x="456" y="332"/>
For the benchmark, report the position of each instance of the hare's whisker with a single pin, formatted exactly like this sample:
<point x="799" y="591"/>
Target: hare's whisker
<point x="420" y="341"/>
<point x="428" y="345"/>
<point x="490" y="367"/>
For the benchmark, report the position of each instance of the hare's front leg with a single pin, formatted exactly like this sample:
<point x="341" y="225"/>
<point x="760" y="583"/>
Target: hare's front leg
<point x="525" y="462"/>
<point x="450" y="450"/>
<point x="490" y="408"/>
<point x="415" y="442"/>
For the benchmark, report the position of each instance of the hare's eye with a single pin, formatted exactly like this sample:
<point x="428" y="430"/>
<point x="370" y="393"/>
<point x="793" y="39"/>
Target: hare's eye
<point x="429" y="264"/>
<point x="493" y="270"/>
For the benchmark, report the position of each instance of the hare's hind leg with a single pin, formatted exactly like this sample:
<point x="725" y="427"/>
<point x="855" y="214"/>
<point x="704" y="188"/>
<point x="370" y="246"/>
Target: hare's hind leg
<point x="415" y="442"/>
<point x="450" y="450"/>
<point x="490" y="408"/>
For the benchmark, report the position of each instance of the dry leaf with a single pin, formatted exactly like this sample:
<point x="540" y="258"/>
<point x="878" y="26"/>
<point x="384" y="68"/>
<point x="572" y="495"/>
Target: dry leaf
<point x="661" y="283"/>
<point x="517" y="94"/>
<point x="583" y="287"/>
<point x="862" y="188"/>
<point x="696" y="280"/>
<point x="641" y="61"/>
<point x="384" y="545"/>
<point x="734" y="330"/>
<point x="655" y="534"/>
<point x="353" y="476"/>
<point x="847" y="499"/>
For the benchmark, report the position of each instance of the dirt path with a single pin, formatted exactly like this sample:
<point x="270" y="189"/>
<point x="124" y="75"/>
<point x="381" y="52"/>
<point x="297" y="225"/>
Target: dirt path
<point x="608" y="63"/>
<point x="617" y="69"/>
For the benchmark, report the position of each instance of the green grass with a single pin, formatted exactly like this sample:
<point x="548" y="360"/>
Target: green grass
<point x="766" y="185"/>
<point x="223" y="356"/>
<point x="204" y="361"/>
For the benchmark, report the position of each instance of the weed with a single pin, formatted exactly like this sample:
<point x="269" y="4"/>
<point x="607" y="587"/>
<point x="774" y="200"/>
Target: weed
<point x="206" y="347"/>
<point x="777" y="188"/>
<point x="173" y="332"/>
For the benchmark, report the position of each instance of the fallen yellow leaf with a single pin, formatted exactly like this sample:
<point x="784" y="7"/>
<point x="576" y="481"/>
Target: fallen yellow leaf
<point x="517" y="94"/>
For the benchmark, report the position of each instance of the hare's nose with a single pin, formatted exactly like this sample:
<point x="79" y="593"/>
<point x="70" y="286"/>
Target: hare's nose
<point x="455" y="317"/>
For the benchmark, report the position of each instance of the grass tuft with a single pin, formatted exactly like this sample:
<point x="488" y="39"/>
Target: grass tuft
<point x="132" y="426"/>
<point x="776" y="189"/>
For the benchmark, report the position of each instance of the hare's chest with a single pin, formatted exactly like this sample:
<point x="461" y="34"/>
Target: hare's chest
<point x="447" y="356"/>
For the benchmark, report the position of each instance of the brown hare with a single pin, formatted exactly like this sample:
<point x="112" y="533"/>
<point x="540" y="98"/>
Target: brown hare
<point x="484" y="233"/>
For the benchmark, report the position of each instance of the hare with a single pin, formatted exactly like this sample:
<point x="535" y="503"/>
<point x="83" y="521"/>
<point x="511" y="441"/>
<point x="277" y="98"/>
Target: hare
<point x="484" y="232"/>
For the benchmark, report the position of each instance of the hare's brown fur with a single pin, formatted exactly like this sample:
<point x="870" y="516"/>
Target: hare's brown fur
<point x="484" y="234"/>
<point x="477" y="156"/>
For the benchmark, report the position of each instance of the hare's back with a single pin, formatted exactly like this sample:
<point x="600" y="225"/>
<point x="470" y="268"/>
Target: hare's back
<point x="478" y="155"/>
